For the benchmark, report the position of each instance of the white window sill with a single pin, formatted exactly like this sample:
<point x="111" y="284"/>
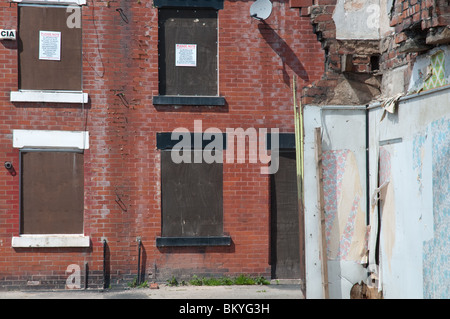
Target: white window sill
<point x="78" y="2"/>
<point x="63" y="240"/>
<point x="48" y="96"/>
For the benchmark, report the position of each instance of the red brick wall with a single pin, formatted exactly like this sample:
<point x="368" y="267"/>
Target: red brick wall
<point x="429" y="13"/>
<point x="414" y="23"/>
<point x="256" y="66"/>
<point x="418" y="26"/>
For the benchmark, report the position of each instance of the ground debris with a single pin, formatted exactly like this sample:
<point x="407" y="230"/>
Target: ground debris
<point x="362" y="291"/>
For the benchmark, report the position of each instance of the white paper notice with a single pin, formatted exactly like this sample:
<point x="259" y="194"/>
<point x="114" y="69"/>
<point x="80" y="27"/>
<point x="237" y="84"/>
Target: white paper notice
<point x="186" y="55"/>
<point x="50" y="45"/>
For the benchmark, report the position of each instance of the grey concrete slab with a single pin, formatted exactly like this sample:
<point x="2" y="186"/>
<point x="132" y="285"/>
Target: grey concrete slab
<point x="273" y="291"/>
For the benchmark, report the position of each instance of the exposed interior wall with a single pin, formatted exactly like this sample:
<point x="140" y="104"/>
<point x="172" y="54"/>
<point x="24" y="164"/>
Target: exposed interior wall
<point x="407" y="235"/>
<point x="413" y="148"/>
<point x="431" y="70"/>
<point x="344" y="192"/>
<point x="357" y="19"/>
<point x="395" y="50"/>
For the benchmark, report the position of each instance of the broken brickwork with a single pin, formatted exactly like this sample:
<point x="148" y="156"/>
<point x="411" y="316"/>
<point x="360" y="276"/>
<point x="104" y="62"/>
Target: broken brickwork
<point x="351" y="66"/>
<point x="418" y="27"/>
<point x="415" y="26"/>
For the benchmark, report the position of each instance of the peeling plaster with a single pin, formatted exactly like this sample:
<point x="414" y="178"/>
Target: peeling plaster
<point x="357" y="20"/>
<point x="387" y="203"/>
<point x="436" y="251"/>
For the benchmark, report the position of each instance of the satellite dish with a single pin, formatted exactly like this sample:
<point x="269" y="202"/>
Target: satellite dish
<point x="261" y="9"/>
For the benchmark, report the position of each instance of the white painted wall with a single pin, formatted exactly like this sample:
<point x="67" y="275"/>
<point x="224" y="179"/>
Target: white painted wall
<point x="412" y="223"/>
<point x="415" y="206"/>
<point x="341" y="130"/>
<point x="362" y="19"/>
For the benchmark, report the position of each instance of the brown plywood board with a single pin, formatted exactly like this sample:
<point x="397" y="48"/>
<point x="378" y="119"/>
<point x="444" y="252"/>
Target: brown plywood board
<point x="36" y="74"/>
<point x="52" y="193"/>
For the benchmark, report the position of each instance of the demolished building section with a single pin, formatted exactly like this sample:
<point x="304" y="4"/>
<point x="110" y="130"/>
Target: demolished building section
<point x="383" y="109"/>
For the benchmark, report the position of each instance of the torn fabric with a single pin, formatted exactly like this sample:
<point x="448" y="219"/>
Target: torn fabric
<point x="390" y="104"/>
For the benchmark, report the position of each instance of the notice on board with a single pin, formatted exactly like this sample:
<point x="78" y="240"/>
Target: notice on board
<point x="50" y="45"/>
<point x="186" y="55"/>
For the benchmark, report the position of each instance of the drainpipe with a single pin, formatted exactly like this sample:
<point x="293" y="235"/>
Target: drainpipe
<point x="104" y="264"/>
<point x="139" y="261"/>
<point x="86" y="270"/>
<point x="367" y="168"/>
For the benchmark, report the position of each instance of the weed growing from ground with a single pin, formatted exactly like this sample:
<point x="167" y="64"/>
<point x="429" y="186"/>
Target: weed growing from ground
<point x="228" y="281"/>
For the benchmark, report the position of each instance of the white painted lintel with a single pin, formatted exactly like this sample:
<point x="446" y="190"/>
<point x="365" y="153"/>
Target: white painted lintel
<point x="50" y="139"/>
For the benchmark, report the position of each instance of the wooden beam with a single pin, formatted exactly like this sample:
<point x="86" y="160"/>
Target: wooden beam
<point x="298" y="118"/>
<point x="320" y="204"/>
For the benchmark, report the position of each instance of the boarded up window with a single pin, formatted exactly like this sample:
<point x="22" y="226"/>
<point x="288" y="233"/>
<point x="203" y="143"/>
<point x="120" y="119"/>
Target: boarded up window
<point x="188" y="51"/>
<point x="52" y="192"/>
<point x="191" y="198"/>
<point x="52" y="60"/>
<point x="285" y="249"/>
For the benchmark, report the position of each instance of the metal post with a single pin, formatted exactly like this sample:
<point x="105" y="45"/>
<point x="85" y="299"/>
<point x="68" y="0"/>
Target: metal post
<point x="139" y="262"/>
<point x="104" y="264"/>
<point x="86" y="268"/>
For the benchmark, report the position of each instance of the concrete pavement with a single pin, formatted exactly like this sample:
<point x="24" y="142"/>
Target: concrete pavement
<point x="273" y="291"/>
